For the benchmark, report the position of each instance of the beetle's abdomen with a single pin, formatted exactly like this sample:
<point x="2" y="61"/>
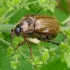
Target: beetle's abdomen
<point x="40" y="36"/>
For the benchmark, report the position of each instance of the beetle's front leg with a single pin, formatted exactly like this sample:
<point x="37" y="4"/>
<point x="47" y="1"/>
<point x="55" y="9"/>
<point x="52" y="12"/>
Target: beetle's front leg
<point x="20" y="43"/>
<point x="11" y="36"/>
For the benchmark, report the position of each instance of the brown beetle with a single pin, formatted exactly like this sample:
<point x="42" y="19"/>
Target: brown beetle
<point x="44" y="28"/>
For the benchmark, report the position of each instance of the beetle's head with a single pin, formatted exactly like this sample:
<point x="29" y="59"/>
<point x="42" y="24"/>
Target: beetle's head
<point x="23" y="26"/>
<point x="18" y="30"/>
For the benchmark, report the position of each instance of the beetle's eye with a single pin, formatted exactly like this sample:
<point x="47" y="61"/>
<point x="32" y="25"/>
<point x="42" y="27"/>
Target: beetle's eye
<point x="18" y="30"/>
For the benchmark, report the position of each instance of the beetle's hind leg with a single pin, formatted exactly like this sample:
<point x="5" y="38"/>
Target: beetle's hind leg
<point x="53" y="42"/>
<point x="57" y="43"/>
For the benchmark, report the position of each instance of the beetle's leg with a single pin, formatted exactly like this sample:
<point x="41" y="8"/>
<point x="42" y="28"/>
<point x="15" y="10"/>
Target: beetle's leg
<point x="31" y="54"/>
<point x="20" y="43"/>
<point x="30" y="50"/>
<point x="11" y="36"/>
<point x="56" y="42"/>
<point x="53" y="42"/>
<point x="61" y="40"/>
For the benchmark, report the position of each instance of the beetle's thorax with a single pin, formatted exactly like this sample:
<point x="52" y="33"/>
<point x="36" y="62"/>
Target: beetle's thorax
<point x="29" y="22"/>
<point x="26" y="24"/>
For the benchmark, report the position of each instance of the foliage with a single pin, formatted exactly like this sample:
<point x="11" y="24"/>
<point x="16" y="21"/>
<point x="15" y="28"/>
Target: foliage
<point x="45" y="54"/>
<point x="53" y="66"/>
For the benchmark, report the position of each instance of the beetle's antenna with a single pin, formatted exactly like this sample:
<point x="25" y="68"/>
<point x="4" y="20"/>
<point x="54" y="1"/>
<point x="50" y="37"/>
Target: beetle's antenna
<point x="39" y="10"/>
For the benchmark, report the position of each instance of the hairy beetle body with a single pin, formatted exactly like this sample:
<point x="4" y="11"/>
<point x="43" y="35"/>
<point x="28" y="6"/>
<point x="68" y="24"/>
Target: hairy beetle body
<point x="41" y="27"/>
<point x="44" y="28"/>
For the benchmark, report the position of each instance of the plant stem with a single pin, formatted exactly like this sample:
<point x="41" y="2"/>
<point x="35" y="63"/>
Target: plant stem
<point x="5" y="42"/>
<point x="6" y="27"/>
<point x="65" y="21"/>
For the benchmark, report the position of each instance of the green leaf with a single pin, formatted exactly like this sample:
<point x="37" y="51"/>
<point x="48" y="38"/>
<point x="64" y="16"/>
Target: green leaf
<point x="55" y="65"/>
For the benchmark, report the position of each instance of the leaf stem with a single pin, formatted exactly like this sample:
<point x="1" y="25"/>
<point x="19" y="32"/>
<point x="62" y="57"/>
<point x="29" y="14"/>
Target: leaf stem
<point x="6" y="27"/>
<point x="4" y="41"/>
<point x="66" y="20"/>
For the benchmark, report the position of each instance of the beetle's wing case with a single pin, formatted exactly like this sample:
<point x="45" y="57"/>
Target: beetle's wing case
<point x="48" y="25"/>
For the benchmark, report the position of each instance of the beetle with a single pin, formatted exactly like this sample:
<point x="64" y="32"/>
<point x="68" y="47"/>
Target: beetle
<point x="44" y="28"/>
